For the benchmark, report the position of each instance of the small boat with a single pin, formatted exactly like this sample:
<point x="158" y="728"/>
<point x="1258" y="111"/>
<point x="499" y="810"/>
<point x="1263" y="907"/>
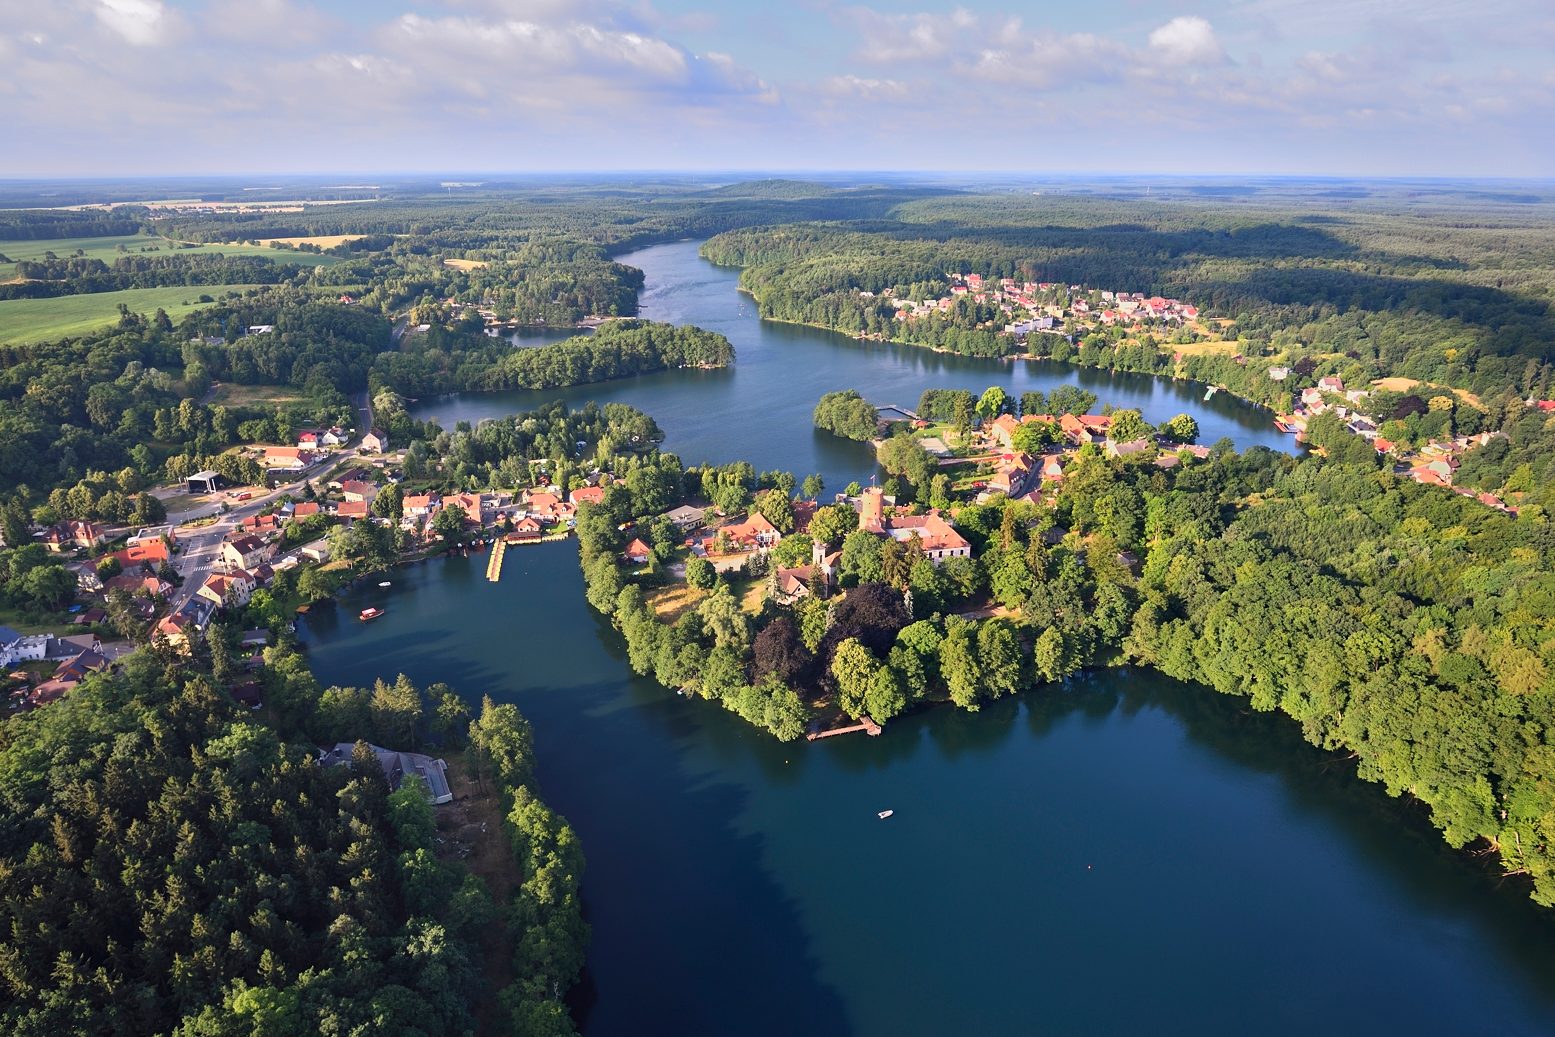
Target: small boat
<point x="385" y="583"/>
<point x="885" y="814"/>
<point x="372" y="613"/>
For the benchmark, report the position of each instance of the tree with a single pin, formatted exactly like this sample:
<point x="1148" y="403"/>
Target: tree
<point x="396" y="712"/>
<point x="1127" y="425"/>
<point x="1050" y="656"/>
<point x="1033" y="402"/>
<point x="449" y="524"/>
<point x="860" y="562"/>
<point x="700" y="573"/>
<point x="994" y="402"/>
<point x="779" y="650"/>
<point x="1181" y="429"/>
<point x="830" y="524"/>
<point x="853" y="670"/>
<point x="904" y="455"/>
<point x="813" y="487"/>
<point x="959" y="665"/>
<point x="1033" y="437"/>
<point x="390" y="503"/>
<point x="847" y="414"/>
<point x="777" y="508"/>
<point x="1070" y="399"/>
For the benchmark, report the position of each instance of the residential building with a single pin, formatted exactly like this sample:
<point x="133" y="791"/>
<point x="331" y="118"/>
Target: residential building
<point x="396" y="765"/>
<point x="376" y="440"/>
<point x="245" y="552"/>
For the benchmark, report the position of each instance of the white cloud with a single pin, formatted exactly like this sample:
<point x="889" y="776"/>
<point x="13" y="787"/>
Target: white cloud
<point x="141" y="22"/>
<point x="858" y="86"/>
<point x="1187" y="39"/>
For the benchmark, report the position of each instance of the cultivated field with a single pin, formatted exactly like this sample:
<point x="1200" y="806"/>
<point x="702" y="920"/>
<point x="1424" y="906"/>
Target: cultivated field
<point x="464" y="264"/>
<point x="321" y="240"/>
<point x="107" y="249"/>
<point x="44" y="320"/>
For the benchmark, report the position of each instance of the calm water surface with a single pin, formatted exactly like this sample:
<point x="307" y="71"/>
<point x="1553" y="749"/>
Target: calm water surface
<point x="760" y="409"/>
<point x="1124" y="856"/>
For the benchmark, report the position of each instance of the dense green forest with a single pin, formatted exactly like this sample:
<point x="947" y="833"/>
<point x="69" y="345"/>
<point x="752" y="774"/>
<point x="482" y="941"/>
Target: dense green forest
<point x="172" y="863"/>
<point x="443" y="360"/>
<point x="1456" y="299"/>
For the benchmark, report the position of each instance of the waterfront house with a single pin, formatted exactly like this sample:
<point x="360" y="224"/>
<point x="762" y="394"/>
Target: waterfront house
<point x="396" y="765"/>
<point x="587" y="495"/>
<point x="637" y="552"/>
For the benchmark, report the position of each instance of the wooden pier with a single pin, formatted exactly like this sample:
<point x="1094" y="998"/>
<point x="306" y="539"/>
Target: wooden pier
<point x="494" y="563"/>
<point x="864" y="724"/>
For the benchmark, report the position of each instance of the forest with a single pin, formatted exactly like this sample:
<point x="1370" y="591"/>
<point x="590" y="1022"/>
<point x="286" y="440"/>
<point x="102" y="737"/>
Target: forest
<point x="442" y="360"/>
<point x="1447" y="298"/>
<point x="173" y="863"/>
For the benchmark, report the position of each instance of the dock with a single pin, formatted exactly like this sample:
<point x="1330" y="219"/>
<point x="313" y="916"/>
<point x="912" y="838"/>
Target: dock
<point x="864" y="724"/>
<point x="494" y="563"/>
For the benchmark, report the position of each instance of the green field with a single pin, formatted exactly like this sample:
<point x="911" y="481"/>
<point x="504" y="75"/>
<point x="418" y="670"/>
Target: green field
<point x="43" y="320"/>
<point x="107" y="249"/>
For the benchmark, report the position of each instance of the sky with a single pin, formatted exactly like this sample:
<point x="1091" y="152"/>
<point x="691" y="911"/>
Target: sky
<point x="1334" y="87"/>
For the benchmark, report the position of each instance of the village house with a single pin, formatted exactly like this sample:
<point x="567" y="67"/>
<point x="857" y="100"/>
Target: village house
<point x="70" y="673"/>
<point x="396" y="765"/>
<point x="753" y="534"/>
<point x="376" y="441"/>
<point x="419" y="505"/>
<point x="1080" y="429"/>
<point x="587" y="495"/>
<point x="527" y="528"/>
<point x="256" y="525"/>
<point x="637" y="552"/>
<point x="305" y="509"/>
<point x="74" y="533"/>
<point x="687" y="516"/>
<point x="1128" y="448"/>
<point x="357" y="491"/>
<point x="351" y="511"/>
<point x="935" y="535"/>
<point x="245" y="552"/>
<point x="149" y="554"/>
<point x="472" y="504"/>
<point x="227" y="590"/>
<point x="181" y="627"/>
<point x="1015" y="475"/>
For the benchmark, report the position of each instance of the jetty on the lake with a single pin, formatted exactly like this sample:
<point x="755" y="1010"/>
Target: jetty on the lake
<point x="864" y="724"/>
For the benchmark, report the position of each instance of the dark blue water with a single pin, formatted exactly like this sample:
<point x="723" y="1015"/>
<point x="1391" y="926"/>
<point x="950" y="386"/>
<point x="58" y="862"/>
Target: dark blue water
<point x="760" y="409"/>
<point x="1125" y="856"/>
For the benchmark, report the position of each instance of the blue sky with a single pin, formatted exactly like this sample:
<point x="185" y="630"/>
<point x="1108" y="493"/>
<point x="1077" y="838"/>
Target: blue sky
<point x="1344" y="87"/>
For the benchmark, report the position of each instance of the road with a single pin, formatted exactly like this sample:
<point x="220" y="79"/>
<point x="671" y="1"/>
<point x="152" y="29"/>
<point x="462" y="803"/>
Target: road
<point x="200" y="548"/>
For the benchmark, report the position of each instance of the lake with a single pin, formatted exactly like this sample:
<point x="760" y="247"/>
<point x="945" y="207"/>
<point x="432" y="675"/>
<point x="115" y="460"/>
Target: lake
<point x="759" y="410"/>
<point x="1123" y="855"/>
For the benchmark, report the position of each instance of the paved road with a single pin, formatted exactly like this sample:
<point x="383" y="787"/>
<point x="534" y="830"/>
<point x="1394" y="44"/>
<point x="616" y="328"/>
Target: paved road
<point x="200" y="548"/>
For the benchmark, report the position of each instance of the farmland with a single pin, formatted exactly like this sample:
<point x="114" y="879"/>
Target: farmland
<point x="108" y="249"/>
<point x="41" y="320"/>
